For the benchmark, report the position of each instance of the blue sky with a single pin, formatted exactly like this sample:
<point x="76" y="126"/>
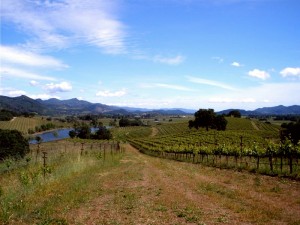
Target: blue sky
<point x="153" y="53"/>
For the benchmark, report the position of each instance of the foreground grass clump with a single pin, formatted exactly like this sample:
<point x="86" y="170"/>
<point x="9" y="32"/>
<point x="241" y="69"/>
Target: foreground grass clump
<point x="32" y="192"/>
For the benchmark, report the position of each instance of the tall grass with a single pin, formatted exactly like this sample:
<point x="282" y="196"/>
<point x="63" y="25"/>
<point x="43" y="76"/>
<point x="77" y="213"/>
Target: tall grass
<point x="27" y="197"/>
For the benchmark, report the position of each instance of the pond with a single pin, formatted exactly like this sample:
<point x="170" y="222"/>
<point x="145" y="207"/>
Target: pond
<point x="53" y="135"/>
<point x="56" y="135"/>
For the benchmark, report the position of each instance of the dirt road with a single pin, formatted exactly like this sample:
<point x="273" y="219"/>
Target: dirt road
<point x="148" y="190"/>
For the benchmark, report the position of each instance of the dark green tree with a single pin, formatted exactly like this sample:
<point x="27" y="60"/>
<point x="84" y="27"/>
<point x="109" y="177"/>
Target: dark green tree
<point x="291" y="131"/>
<point x="12" y="144"/>
<point x="102" y="133"/>
<point x="72" y="133"/>
<point x="207" y="118"/>
<point x="83" y="131"/>
<point x="220" y="122"/>
<point x="235" y="113"/>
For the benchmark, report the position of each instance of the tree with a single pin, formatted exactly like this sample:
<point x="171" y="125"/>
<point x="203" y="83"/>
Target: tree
<point x="220" y="122"/>
<point x="102" y="134"/>
<point x="124" y="122"/>
<point x="207" y="118"/>
<point x="235" y="113"/>
<point x="12" y="144"/>
<point x="83" y="131"/>
<point x="72" y="134"/>
<point x="291" y="131"/>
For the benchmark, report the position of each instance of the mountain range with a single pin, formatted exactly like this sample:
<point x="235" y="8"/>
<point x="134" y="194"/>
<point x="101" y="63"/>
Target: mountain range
<point x="74" y="106"/>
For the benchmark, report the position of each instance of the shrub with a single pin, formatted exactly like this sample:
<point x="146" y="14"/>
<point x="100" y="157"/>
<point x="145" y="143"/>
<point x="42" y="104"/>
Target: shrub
<point x="12" y="144"/>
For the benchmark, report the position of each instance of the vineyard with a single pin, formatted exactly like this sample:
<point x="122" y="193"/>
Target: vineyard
<point x="23" y="124"/>
<point x="240" y="147"/>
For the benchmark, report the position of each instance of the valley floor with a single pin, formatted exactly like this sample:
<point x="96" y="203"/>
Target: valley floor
<point x="147" y="190"/>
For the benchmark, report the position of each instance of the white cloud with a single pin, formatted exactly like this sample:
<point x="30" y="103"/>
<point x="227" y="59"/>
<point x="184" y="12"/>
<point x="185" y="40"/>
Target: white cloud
<point x="11" y="92"/>
<point x="18" y="56"/>
<point x="43" y="96"/>
<point x="236" y="64"/>
<point x="289" y="71"/>
<point x="33" y="83"/>
<point x="107" y="93"/>
<point x="13" y="72"/>
<point x="210" y="82"/>
<point x="60" y="87"/>
<point x="170" y="61"/>
<point x="16" y="93"/>
<point x="63" y="23"/>
<point x="263" y="75"/>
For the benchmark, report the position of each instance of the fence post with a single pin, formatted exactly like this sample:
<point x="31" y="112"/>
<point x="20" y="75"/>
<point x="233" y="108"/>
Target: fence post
<point x="44" y="164"/>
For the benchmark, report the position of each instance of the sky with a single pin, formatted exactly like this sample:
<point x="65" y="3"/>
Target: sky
<point x="190" y="54"/>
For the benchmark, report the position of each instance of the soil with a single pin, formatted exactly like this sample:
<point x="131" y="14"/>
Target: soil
<point x="149" y="190"/>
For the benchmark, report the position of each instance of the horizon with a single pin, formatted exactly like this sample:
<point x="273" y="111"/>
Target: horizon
<point x="220" y="54"/>
<point x="175" y="108"/>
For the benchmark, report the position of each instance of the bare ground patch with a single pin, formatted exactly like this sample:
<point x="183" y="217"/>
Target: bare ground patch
<point x="148" y="190"/>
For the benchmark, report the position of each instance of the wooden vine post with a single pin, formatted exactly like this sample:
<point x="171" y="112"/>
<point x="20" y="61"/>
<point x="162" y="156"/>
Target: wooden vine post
<point x="44" y="164"/>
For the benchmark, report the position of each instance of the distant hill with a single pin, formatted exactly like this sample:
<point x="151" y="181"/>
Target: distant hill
<point x="75" y="106"/>
<point x="276" y="110"/>
<point x="22" y="104"/>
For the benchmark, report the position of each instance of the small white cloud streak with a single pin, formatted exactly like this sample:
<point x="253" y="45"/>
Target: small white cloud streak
<point x="13" y="72"/>
<point x="231" y="100"/>
<point x="60" y="87"/>
<point x="33" y="83"/>
<point x="18" y="56"/>
<point x="166" y="86"/>
<point x="107" y="93"/>
<point x="219" y="59"/>
<point x="210" y="83"/>
<point x="260" y="74"/>
<point x="236" y="64"/>
<point x="169" y="60"/>
<point x="290" y="72"/>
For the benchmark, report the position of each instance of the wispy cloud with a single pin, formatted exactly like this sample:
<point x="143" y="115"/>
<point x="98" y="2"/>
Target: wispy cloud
<point x="290" y="72"/>
<point x="60" y="24"/>
<point x="260" y="74"/>
<point x="231" y="100"/>
<point x="107" y="93"/>
<point x="167" y="86"/>
<point x="13" y="72"/>
<point x="169" y="60"/>
<point x="198" y="80"/>
<point x="14" y="55"/>
<point x="218" y="59"/>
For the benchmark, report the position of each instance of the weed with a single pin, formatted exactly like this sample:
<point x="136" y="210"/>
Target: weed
<point x="222" y="219"/>
<point x="276" y="189"/>
<point x="24" y="178"/>
<point x="53" y="221"/>
<point x="257" y="181"/>
<point x="161" y="208"/>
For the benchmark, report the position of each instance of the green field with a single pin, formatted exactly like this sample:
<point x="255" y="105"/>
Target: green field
<point x="24" y="123"/>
